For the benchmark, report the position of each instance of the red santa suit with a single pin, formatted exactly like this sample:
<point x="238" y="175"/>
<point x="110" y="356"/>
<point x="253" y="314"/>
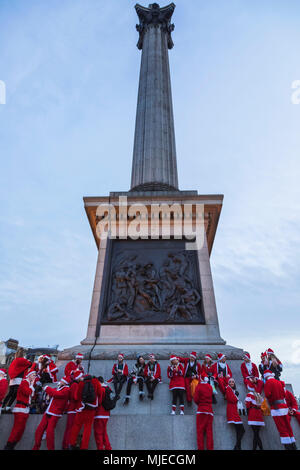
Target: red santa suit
<point x="100" y="425"/>
<point x="17" y="370"/>
<point x="21" y="412"/>
<point x="115" y="370"/>
<point x="3" y="386"/>
<point x="221" y="372"/>
<point x="71" y="408"/>
<point x="249" y="372"/>
<point x="204" y="420"/>
<point x="275" y="394"/>
<point x="72" y="366"/>
<point x="176" y="376"/>
<point x="292" y="405"/>
<point x="85" y="412"/>
<point x="233" y="416"/>
<point x="55" y="409"/>
<point x="191" y="367"/>
<point x="255" y="415"/>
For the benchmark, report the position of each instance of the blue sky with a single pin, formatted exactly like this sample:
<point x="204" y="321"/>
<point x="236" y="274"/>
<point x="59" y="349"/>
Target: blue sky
<point x="71" y="72"/>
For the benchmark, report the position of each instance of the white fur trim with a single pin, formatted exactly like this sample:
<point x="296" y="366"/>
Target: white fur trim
<point x="280" y="412"/>
<point x="285" y="440"/>
<point x="15" y="381"/>
<point x="20" y="410"/>
<point x="178" y="388"/>
<point x="256" y="423"/>
<point x="204" y="413"/>
<point x="101" y="417"/>
<point x="235" y="422"/>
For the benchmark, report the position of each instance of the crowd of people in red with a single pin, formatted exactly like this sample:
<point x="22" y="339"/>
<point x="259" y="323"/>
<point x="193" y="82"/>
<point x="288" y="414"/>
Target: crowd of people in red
<point x="87" y="400"/>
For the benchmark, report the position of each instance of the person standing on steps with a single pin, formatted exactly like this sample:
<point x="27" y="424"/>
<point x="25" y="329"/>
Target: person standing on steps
<point x="175" y="373"/>
<point x="253" y="402"/>
<point x="102" y="416"/>
<point x="233" y="417"/>
<point x="192" y="370"/>
<point x="16" y="371"/>
<point x="207" y="370"/>
<point x="76" y="364"/>
<point x="75" y="376"/>
<point x="152" y="375"/>
<point x="119" y="375"/>
<point x="136" y="376"/>
<point x="203" y="397"/>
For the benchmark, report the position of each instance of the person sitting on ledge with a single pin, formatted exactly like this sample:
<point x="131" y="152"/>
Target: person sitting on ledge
<point x="152" y="375"/>
<point x="119" y="375"/>
<point x="177" y="386"/>
<point x="233" y="416"/>
<point x="250" y="375"/>
<point x="192" y="370"/>
<point x="221" y="372"/>
<point x="137" y="375"/>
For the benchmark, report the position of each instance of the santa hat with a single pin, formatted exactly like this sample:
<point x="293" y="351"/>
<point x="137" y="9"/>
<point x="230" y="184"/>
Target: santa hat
<point x="66" y="380"/>
<point x="268" y="373"/>
<point x="3" y="371"/>
<point x="79" y="356"/>
<point x="121" y="355"/>
<point x="204" y="378"/>
<point x="76" y="374"/>
<point x="221" y="356"/>
<point x="32" y="372"/>
<point x="270" y="351"/>
<point x="173" y="357"/>
<point x="152" y="356"/>
<point x="208" y="356"/>
<point x="193" y="354"/>
<point x="247" y="355"/>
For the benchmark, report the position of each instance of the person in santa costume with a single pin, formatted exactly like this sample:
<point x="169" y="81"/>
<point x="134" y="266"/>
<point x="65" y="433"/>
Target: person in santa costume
<point x="3" y="386"/>
<point x="270" y="362"/>
<point x="89" y="396"/>
<point x="75" y="377"/>
<point x="101" y="418"/>
<point x="58" y="402"/>
<point x="21" y="410"/>
<point x="250" y="374"/>
<point x="221" y="372"/>
<point x="16" y="371"/>
<point x="119" y="375"/>
<point x="203" y="397"/>
<point x="46" y="370"/>
<point x="233" y="417"/>
<point x="207" y="370"/>
<point x="152" y="375"/>
<point x="76" y="364"/>
<point x="275" y="393"/>
<point x="253" y="402"/>
<point x="175" y="373"/>
<point x="136" y="376"/>
<point x="192" y="370"/>
<point x="292" y="404"/>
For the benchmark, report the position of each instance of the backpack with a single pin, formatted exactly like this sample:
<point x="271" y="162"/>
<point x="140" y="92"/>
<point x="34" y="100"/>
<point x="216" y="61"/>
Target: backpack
<point x="107" y="402"/>
<point x="88" y="392"/>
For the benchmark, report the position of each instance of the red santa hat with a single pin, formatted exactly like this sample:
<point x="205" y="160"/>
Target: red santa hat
<point x="66" y="380"/>
<point x="173" y="357"/>
<point x="152" y="356"/>
<point x="268" y="373"/>
<point x="204" y="377"/>
<point x="208" y="356"/>
<point x="121" y="355"/>
<point x="32" y="372"/>
<point x="3" y="371"/>
<point x="193" y="354"/>
<point x="270" y="351"/>
<point x="221" y="356"/>
<point x="79" y="356"/>
<point x="76" y="374"/>
<point x="247" y="355"/>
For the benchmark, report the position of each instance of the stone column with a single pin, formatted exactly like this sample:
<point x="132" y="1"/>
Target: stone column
<point x="154" y="155"/>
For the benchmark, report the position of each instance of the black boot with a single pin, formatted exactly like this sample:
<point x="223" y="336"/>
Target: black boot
<point x="10" y="446"/>
<point x="126" y="401"/>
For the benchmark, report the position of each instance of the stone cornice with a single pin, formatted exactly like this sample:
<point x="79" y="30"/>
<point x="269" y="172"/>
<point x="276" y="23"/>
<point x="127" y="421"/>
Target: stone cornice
<point x="155" y="16"/>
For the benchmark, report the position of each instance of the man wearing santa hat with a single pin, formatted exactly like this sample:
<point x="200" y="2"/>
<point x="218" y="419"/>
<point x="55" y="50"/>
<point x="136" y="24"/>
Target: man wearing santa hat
<point x="152" y="375"/>
<point x="275" y="394"/>
<point x="75" y="377"/>
<point x="221" y="372"/>
<point x="192" y="370"/>
<point x="203" y="397"/>
<point x="58" y="403"/>
<point x="175" y="373"/>
<point x="119" y="375"/>
<point x="3" y="386"/>
<point x="74" y="365"/>
<point x="250" y="374"/>
<point x="21" y="410"/>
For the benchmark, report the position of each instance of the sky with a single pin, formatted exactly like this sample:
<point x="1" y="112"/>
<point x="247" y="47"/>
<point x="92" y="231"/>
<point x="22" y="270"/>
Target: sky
<point x="71" y="70"/>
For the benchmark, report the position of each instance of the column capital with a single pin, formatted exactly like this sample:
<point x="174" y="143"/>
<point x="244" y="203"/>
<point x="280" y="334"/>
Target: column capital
<point x="154" y="15"/>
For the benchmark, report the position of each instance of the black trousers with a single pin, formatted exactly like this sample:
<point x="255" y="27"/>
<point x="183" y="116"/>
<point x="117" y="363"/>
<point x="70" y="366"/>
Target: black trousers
<point x="151" y="385"/>
<point x="178" y="395"/>
<point x="140" y="382"/>
<point x="256" y="438"/>
<point x="11" y="396"/>
<point x="240" y="431"/>
<point x="118" y="383"/>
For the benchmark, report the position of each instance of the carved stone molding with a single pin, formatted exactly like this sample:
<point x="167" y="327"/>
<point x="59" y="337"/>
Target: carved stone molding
<point x="155" y="16"/>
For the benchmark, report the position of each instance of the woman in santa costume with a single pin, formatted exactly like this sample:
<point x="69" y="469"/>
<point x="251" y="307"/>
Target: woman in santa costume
<point x="270" y="362"/>
<point x="3" y="386"/>
<point x="175" y="373"/>
<point x="192" y="370"/>
<point x="74" y="365"/>
<point x="56" y="408"/>
<point x="253" y="402"/>
<point x="101" y="418"/>
<point x="16" y="371"/>
<point x="292" y="406"/>
<point x="203" y="397"/>
<point x="152" y="375"/>
<point x="275" y="394"/>
<point x="89" y="396"/>
<point x="233" y="417"/>
<point x="137" y="376"/>
<point x="250" y="374"/>
<point x="21" y="410"/>
<point x="75" y="376"/>
<point x="207" y="370"/>
<point x="119" y="375"/>
<point x="221" y="372"/>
